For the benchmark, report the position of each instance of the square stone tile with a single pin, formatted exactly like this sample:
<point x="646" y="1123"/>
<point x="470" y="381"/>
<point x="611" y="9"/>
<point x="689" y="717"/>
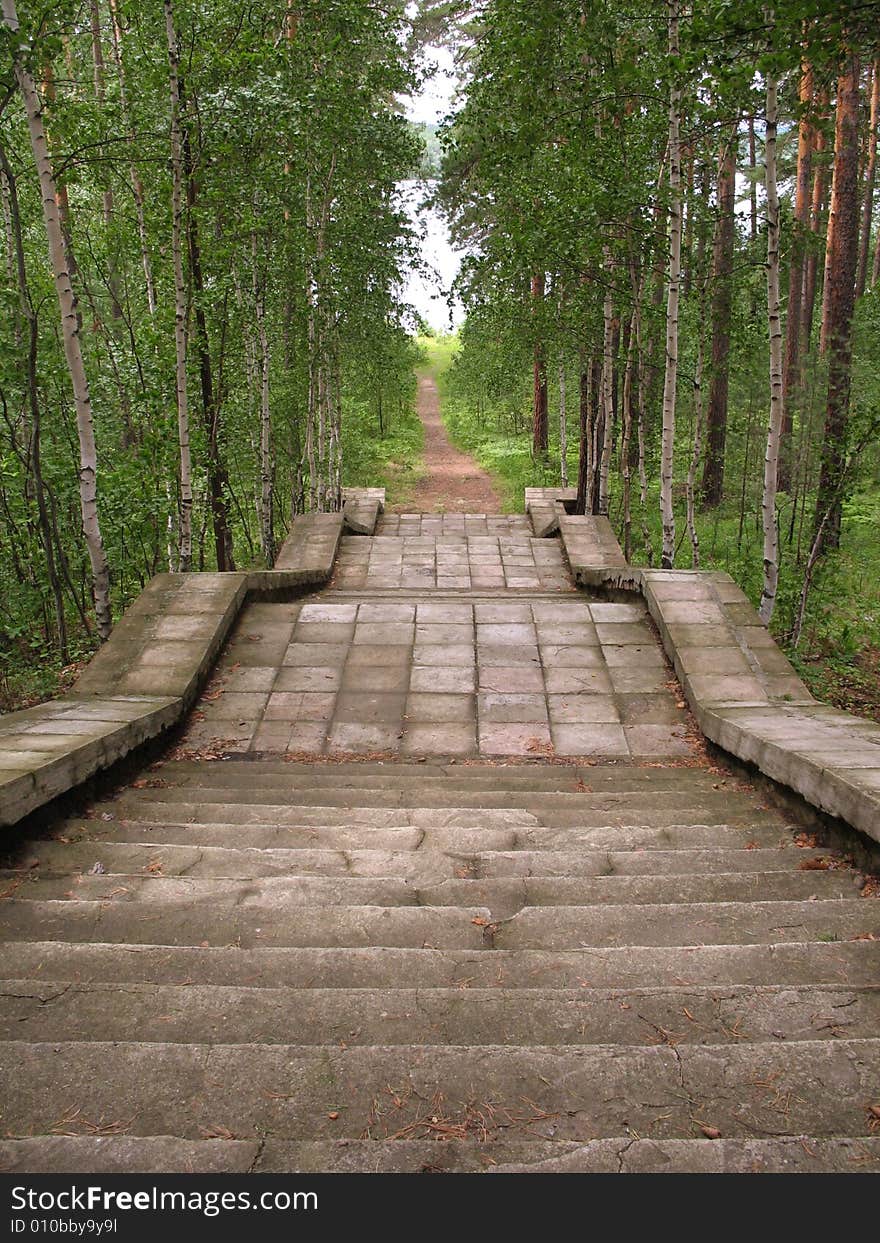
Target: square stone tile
<point x="503" y="613"/>
<point x="273" y="736"/>
<point x="517" y="678"/>
<point x="509" y="655"/>
<point x="495" y="706"/>
<point x="561" y="613"/>
<point x="349" y="736"/>
<point x="514" y="739"/>
<point x="369" y="708"/>
<point x="321" y="678"/>
<point x="657" y="740"/>
<point x="650" y="709"/>
<point x="443" y="654"/>
<point x="568" y="656"/>
<point x="339" y="613"/>
<point x="255" y="678"/>
<point x="234" y="706"/>
<point x="323" y="632"/>
<point x="639" y="680"/>
<point x="615" y="633"/>
<point x="605" y="611"/>
<point x="693" y="612"/>
<point x="435" y="679"/>
<point x="583" y="709"/>
<point x="450" y="583"/>
<point x="378" y="654"/>
<point x="444" y="632"/>
<point x="295" y="706"/>
<point x="504" y="634"/>
<point x="383" y="633"/>
<point x="439" y="739"/>
<point x="570" y="681"/>
<point x="308" y="737"/>
<point x="424" y="706"/>
<point x="574" y="634"/>
<point x="597" y="739"/>
<point x="312" y="654"/>
<point x="646" y="656"/>
<point x="373" y="611"/>
<point x="389" y="678"/>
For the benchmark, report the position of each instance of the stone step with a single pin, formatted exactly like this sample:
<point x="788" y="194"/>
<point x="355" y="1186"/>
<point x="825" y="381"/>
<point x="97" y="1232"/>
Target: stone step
<point x="267" y="775"/>
<point x="463" y="837"/>
<point x="793" y="1154"/>
<point x="247" y="923"/>
<point x="68" y="858"/>
<point x="258" y="920"/>
<point x="820" y="1088"/>
<point x="243" y="813"/>
<point x="716" y="923"/>
<point x="431" y="796"/>
<point x="502" y="896"/>
<point x="47" y="1011"/>
<point x="839" y="963"/>
<point x="120" y="1154"/>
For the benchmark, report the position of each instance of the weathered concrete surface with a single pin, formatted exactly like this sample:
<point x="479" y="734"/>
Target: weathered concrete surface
<point x="361" y="509"/>
<point x="145" y="678"/>
<point x="748" y="699"/>
<point x="594" y="555"/>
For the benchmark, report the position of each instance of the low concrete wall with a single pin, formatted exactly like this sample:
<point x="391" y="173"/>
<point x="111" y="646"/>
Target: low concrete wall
<point x="740" y="686"/>
<point x="148" y="674"/>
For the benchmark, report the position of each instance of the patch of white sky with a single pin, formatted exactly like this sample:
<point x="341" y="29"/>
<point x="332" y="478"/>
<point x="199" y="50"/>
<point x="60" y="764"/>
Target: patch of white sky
<point x="428" y="287"/>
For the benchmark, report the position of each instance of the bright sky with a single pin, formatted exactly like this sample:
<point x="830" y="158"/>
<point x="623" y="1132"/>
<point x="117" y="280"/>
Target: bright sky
<point x="427" y="293"/>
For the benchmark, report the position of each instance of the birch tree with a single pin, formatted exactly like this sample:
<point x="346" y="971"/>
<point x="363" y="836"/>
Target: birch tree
<point x="774" y="320"/>
<point x="672" y="294"/>
<point x="70" y="329"/>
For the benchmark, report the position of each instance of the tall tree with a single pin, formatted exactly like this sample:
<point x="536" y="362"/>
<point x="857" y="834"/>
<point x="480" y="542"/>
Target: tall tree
<point x="840" y="277"/>
<point x="722" y="269"/>
<point x="70" y="329"/>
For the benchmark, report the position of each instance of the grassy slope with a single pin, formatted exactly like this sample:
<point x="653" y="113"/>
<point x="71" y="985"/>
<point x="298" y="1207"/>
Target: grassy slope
<point x="839" y="652"/>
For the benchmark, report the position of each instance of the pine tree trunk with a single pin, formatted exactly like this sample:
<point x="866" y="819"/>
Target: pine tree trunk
<point x="840" y="275"/>
<point x="671" y="371"/>
<point x="771" y="457"/>
<point x="584" y="398"/>
<point x="70" y="330"/>
<point x="817" y="205"/>
<point x="870" y="175"/>
<point x="712" y="488"/>
<point x="185" y="539"/>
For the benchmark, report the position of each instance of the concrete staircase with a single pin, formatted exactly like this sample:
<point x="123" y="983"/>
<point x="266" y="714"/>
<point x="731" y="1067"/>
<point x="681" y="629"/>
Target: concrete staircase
<point x="256" y="964"/>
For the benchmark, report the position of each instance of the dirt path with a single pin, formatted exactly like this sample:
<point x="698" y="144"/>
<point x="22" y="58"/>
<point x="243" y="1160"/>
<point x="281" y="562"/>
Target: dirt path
<point x="453" y="482"/>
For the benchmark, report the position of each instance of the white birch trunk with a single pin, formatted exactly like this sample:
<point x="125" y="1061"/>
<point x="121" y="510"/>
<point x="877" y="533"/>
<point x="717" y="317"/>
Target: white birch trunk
<point x="771" y="457"/>
<point x="563" y="428"/>
<point x="607" y="395"/>
<point x="137" y="186"/>
<point x="671" y="374"/>
<point x="696" y="449"/>
<point x="267" y="533"/>
<point x="180" y="298"/>
<point x="88" y="465"/>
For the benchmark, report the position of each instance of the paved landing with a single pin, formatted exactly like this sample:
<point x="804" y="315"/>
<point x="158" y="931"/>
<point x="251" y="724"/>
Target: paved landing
<point x="464" y="675"/>
<point x="452" y="552"/>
